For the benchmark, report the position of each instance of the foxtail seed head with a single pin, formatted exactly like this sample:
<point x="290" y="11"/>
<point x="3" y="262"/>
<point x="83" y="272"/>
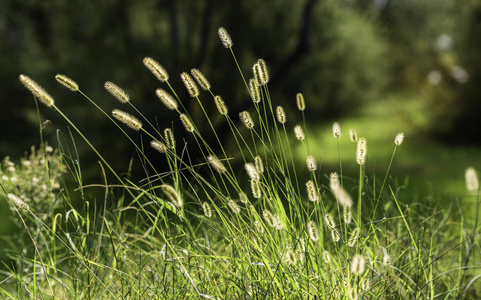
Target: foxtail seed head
<point x="36" y="90"/>
<point x="330" y="221"/>
<point x="252" y="171"/>
<point x="290" y="257"/>
<point x="259" y="227"/>
<point x="281" y="115"/>
<point x="335" y="235"/>
<point x="301" y="104"/>
<point x="268" y="217"/>
<point x="347" y="214"/>
<point x="472" y="181"/>
<point x="166" y="99"/>
<point x="326" y="257"/>
<point x="334" y="181"/>
<point x="172" y="194"/>
<point x="159" y="72"/>
<point x="313" y="231"/>
<point x="254" y="90"/>
<point x="353" y="239"/>
<point x="187" y="123"/>
<point x="312" y="194"/>
<point x="299" y="133"/>
<point x="207" y="210"/>
<point x="169" y="138"/>
<point x="357" y="264"/>
<point x="127" y="119"/>
<point x="246" y="118"/>
<point x="201" y="79"/>
<point x="225" y="37"/>
<point x="311" y="163"/>
<point x="336" y="130"/>
<point x="353" y="135"/>
<point x="259" y="164"/>
<point x="386" y="260"/>
<point x="117" y="92"/>
<point x="18" y="202"/>
<point x="221" y="107"/>
<point x="190" y="85"/>
<point x="256" y="188"/>
<point x="67" y="82"/>
<point x="216" y="164"/>
<point x="158" y="146"/>
<point x="361" y="151"/>
<point x="342" y="196"/>
<point x="243" y="198"/>
<point x="398" y="140"/>
<point x="261" y="74"/>
<point x="234" y="206"/>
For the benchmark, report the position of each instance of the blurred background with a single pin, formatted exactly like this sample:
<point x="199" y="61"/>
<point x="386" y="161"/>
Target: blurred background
<point x="378" y="66"/>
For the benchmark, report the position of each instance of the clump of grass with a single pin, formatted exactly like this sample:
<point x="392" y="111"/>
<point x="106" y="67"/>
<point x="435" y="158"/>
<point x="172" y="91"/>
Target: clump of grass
<point x="192" y="231"/>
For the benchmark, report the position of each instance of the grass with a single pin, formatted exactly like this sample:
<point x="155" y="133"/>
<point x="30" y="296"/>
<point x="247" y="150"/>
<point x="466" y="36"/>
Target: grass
<point x="273" y="228"/>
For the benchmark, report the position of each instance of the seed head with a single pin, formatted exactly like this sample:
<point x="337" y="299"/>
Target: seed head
<point x="347" y="214"/>
<point x="334" y="181"/>
<point x="36" y="90"/>
<point x="330" y="223"/>
<point x="216" y="164"/>
<point x="313" y="231"/>
<point x="335" y="235"/>
<point x="169" y="138"/>
<point x="259" y="227"/>
<point x="261" y="74"/>
<point x="386" y="260"/>
<point x="342" y="196"/>
<point x="67" y="82"/>
<point x="361" y="151"/>
<point x="117" y="92"/>
<point x="281" y="115"/>
<point x="190" y="85"/>
<point x="187" y="123"/>
<point x="207" y="210"/>
<point x="259" y="164"/>
<point x="353" y="239"/>
<point x="127" y="119"/>
<point x="353" y="135"/>
<point x="256" y="188"/>
<point x="398" y="140"/>
<point x="221" y="107"/>
<point x="255" y="91"/>
<point x="336" y="130"/>
<point x="252" y="171"/>
<point x="357" y="264"/>
<point x="246" y="118"/>
<point x="312" y="194"/>
<point x="201" y="79"/>
<point x="326" y="257"/>
<point x="290" y="257"/>
<point x="472" y="181"/>
<point x="234" y="206"/>
<point x="301" y="104"/>
<point x="18" y="202"/>
<point x="311" y="163"/>
<point x="159" y="72"/>
<point x="268" y="217"/>
<point x="158" y="146"/>
<point x="277" y="222"/>
<point x="299" y="133"/>
<point x="172" y="194"/>
<point x="166" y="99"/>
<point x="225" y="37"/>
<point x="243" y="198"/>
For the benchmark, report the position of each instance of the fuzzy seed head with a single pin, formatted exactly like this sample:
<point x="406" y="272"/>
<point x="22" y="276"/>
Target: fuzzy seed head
<point x="299" y="133"/>
<point x="18" y="202"/>
<point x="225" y="37"/>
<point x="301" y="104"/>
<point x="269" y="218"/>
<point x="398" y="140"/>
<point x="330" y="223"/>
<point x="201" y="79"/>
<point x="67" y="82"/>
<point x="234" y="206"/>
<point x="221" y="107"/>
<point x="290" y="257"/>
<point x="166" y="99"/>
<point x="347" y="214"/>
<point x="311" y="163"/>
<point x="472" y="181"/>
<point x="243" y="198"/>
<point x="255" y="91"/>
<point x="127" y="119"/>
<point x="353" y="135"/>
<point x="252" y="171"/>
<point x="361" y="151"/>
<point x="159" y="72"/>
<point x="259" y="164"/>
<point x="216" y="164"/>
<point x="342" y="196"/>
<point x="277" y="222"/>
<point x="357" y="264"/>
<point x="256" y="188"/>
<point x="159" y="146"/>
<point x="172" y="195"/>
<point x="335" y="235"/>
<point x="246" y="118"/>
<point x="312" y="194"/>
<point x="261" y="73"/>
<point x="169" y="138"/>
<point x="326" y="257"/>
<point x="36" y="90"/>
<point x="187" y="123"/>
<point x="281" y="115"/>
<point x="353" y="238"/>
<point x="334" y="181"/>
<point x="117" y="92"/>
<point x="386" y="259"/>
<point x="313" y="231"/>
<point x="336" y="130"/>
<point x="190" y="85"/>
<point x="207" y="210"/>
<point x="259" y="227"/>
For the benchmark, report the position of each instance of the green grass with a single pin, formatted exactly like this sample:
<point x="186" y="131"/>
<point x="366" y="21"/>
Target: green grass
<point x="207" y="228"/>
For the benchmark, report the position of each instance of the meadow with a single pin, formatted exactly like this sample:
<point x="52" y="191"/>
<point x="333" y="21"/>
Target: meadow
<point x="295" y="211"/>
